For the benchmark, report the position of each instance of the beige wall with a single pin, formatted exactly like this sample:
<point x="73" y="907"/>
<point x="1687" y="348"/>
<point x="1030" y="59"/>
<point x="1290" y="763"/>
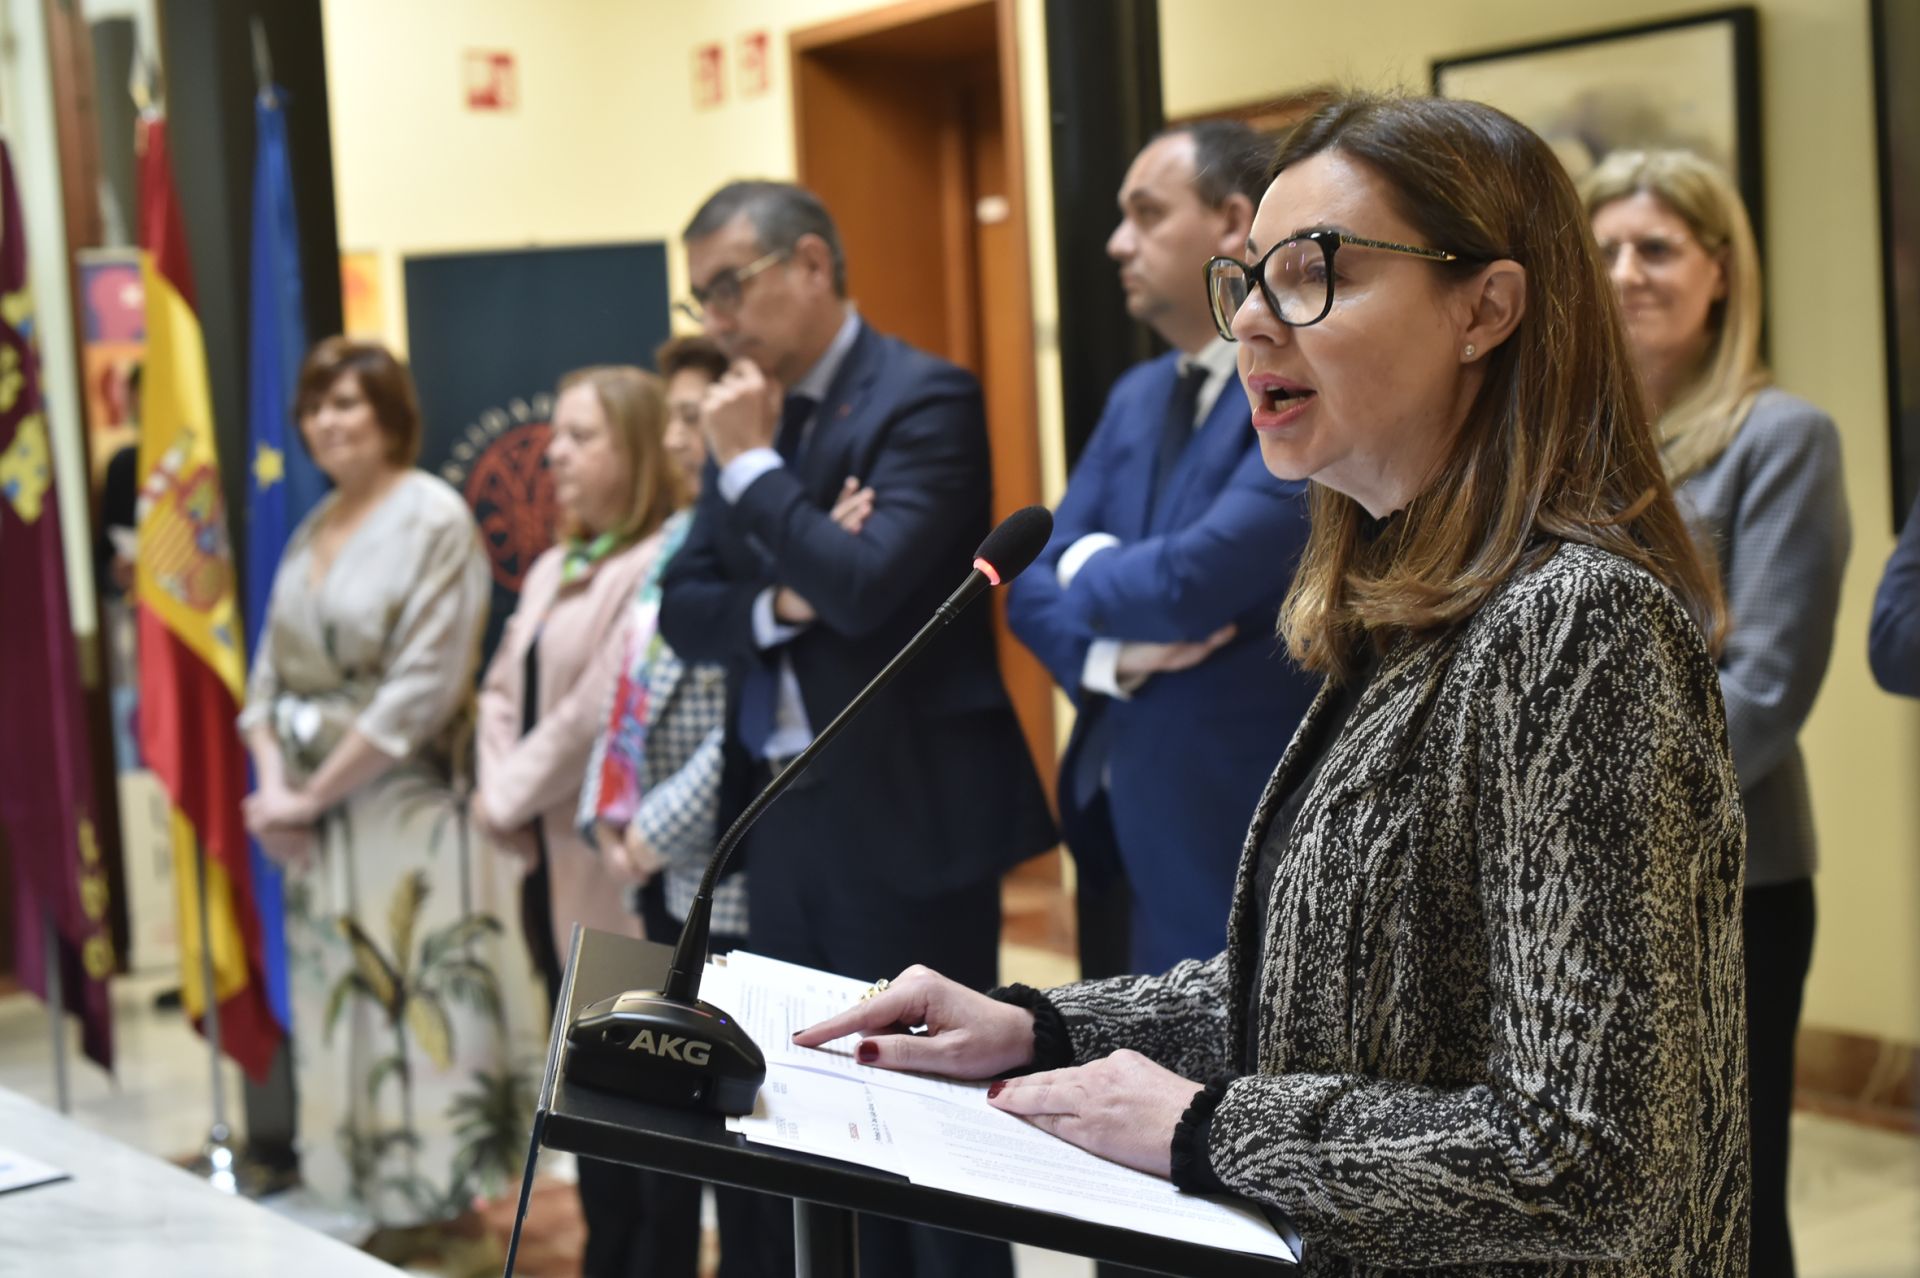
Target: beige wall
<point x="1863" y="746"/>
<point x="606" y="143"/>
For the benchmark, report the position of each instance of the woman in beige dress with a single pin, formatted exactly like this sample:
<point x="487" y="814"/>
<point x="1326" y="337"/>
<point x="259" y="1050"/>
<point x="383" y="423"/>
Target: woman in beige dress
<point x="403" y="983"/>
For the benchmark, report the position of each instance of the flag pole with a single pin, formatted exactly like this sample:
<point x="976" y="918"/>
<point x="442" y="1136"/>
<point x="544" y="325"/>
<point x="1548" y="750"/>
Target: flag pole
<point x="56" y="1009"/>
<point x="216" y="1156"/>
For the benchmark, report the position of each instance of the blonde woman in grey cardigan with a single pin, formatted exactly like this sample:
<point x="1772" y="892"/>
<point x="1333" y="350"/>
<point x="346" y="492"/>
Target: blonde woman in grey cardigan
<point x="1757" y="472"/>
<point x="1479" y="1007"/>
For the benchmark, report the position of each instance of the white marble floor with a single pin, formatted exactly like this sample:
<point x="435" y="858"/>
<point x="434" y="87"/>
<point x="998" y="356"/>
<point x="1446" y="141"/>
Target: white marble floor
<point x="1856" y="1191"/>
<point x="1855" y="1201"/>
<point x="159" y="1098"/>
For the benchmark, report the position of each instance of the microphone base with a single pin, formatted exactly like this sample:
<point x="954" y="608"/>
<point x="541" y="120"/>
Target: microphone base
<point x="647" y="1046"/>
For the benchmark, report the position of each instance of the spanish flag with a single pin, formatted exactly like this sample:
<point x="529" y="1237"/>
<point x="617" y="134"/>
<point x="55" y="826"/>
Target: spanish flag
<point x="192" y="672"/>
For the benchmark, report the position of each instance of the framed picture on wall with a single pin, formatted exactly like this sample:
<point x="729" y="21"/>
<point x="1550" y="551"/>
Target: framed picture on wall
<point x="1896" y="26"/>
<point x="1688" y="82"/>
<point x="1271" y="117"/>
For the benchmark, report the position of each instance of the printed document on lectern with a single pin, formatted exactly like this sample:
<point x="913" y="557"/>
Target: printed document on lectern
<point x="17" y="1171"/>
<point x="935" y="1131"/>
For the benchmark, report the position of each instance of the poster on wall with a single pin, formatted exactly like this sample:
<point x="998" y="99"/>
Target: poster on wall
<point x="1688" y="83"/>
<point x="489" y="335"/>
<point x="113" y="328"/>
<point x="113" y="316"/>
<point x="363" y="303"/>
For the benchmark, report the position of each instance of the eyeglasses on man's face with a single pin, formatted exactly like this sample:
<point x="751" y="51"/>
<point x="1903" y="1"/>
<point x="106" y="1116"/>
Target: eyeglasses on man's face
<point x="723" y="293"/>
<point x="1295" y="277"/>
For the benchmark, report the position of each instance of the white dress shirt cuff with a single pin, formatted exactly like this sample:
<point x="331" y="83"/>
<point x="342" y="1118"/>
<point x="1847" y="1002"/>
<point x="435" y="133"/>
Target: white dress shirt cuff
<point x="1076" y="556"/>
<point x="768" y="630"/>
<point x="1101" y="673"/>
<point x="738" y="475"/>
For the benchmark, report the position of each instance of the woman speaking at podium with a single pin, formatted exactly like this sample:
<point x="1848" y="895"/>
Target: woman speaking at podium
<point x="1480" y="1003"/>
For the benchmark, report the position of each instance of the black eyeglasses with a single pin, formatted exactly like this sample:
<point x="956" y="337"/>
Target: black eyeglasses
<point x="1295" y="277"/>
<point x="724" y="291"/>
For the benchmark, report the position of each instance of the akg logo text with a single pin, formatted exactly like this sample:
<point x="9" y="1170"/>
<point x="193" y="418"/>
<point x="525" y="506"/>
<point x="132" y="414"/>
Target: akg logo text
<point x="674" y="1049"/>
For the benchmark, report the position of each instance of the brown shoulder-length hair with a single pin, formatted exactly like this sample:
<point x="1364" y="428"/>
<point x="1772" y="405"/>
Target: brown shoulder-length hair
<point x="635" y="403"/>
<point x="383" y="380"/>
<point x="1556" y="447"/>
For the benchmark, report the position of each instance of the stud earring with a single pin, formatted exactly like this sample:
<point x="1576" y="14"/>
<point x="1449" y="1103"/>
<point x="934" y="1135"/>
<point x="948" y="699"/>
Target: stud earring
<point x="1468" y="353"/>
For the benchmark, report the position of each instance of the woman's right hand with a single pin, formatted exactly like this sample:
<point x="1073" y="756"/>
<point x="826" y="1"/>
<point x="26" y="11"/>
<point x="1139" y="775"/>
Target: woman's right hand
<point x="968" y="1035"/>
<point x="290" y="847"/>
<point x="519" y="842"/>
<point x="636" y="857"/>
<point x="277" y="807"/>
<point x="480" y="816"/>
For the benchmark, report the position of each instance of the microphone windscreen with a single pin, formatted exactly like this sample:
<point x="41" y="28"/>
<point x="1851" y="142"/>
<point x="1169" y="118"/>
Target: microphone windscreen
<point x="1016" y="542"/>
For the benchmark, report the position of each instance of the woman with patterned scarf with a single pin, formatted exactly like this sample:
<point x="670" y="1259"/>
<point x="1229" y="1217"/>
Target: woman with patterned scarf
<point x="650" y="803"/>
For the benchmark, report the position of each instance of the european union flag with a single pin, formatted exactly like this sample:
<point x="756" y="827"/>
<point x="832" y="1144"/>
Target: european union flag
<point x="283" y="482"/>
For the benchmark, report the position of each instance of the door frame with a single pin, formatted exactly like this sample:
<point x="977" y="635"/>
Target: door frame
<point x="1016" y="445"/>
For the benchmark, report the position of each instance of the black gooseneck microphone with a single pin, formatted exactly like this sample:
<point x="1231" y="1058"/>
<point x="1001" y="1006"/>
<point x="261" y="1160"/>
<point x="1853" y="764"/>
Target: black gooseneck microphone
<point x="669" y="1046"/>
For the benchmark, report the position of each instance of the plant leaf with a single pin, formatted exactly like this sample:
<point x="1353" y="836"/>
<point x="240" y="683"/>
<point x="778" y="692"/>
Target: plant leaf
<point x="474" y="984"/>
<point x="465" y="1164"/>
<point x="383" y="983"/>
<point x="456" y="936"/>
<point x="347" y="985"/>
<point x="395" y="1064"/>
<point x="408" y="895"/>
<point x="417" y="1191"/>
<point x="439" y="829"/>
<point x="431" y="1029"/>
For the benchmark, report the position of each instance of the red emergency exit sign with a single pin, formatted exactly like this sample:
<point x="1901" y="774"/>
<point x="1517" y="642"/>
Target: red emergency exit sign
<point x="490" y="81"/>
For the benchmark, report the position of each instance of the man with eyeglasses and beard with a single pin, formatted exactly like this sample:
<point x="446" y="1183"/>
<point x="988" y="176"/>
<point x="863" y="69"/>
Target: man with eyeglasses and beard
<point x="1154" y="603"/>
<point x="892" y="845"/>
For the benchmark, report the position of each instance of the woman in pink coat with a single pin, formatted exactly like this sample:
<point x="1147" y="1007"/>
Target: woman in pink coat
<point x="545" y="695"/>
<point x="544" y="700"/>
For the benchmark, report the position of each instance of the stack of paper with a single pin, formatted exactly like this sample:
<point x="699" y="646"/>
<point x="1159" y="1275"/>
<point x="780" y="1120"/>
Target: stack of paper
<point x="936" y="1131"/>
<point x="17" y="1171"/>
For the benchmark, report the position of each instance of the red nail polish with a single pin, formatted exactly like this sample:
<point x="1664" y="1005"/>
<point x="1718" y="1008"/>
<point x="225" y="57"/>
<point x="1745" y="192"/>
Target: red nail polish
<point x="996" y="1089"/>
<point x="867" y="1053"/>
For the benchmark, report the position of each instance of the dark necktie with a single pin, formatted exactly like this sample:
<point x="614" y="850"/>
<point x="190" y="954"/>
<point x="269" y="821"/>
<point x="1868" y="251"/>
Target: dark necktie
<point x="794" y="415"/>
<point x="1176" y="432"/>
<point x="760" y="689"/>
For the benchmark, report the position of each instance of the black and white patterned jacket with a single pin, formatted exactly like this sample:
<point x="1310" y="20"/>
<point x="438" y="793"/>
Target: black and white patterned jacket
<point x="1502" y="1026"/>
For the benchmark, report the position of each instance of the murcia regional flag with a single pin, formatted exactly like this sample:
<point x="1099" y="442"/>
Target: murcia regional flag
<point x="59" y="873"/>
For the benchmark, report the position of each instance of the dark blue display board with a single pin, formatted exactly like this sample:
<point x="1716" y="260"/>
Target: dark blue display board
<point x="488" y="336"/>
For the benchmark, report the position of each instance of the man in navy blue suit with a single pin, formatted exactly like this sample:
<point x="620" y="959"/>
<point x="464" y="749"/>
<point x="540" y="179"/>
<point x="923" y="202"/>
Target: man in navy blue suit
<point x="1154" y="604"/>
<point x="889" y="850"/>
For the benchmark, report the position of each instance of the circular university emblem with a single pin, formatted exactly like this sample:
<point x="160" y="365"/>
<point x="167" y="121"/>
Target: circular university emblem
<point x="511" y="496"/>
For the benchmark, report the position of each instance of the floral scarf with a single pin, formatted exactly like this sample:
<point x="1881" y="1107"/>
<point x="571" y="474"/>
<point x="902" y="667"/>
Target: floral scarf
<point x="583" y="556"/>
<point x="617" y="786"/>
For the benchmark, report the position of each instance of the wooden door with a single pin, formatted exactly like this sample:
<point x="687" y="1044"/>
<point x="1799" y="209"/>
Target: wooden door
<point x="907" y="124"/>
